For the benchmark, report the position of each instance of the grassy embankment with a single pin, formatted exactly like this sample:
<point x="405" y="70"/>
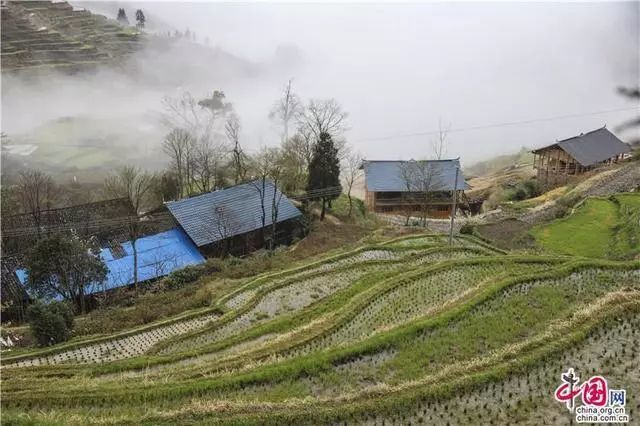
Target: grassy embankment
<point x="599" y="228"/>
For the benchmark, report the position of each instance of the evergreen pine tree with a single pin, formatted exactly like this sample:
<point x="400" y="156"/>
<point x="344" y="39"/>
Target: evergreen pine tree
<point x="324" y="171"/>
<point x="122" y="17"/>
<point x="140" y="18"/>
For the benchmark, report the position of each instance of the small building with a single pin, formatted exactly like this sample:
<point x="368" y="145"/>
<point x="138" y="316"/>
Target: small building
<point x="237" y="219"/>
<point x="158" y="255"/>
<point x="101" y="221"/>
<point x="410" y="186"/>
<point x="556" y="163"/>
<point x="173" y="237"/>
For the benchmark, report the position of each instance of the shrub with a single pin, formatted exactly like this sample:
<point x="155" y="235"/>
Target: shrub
<point x="565" y="204"/>
<point x="50" y="323"/>
<point x="65" y="310"/>
<point x="467" y="228"/>
<point x="181" y="277"/>
<point x="186" y="275"/>
<point x="523" y="190"/>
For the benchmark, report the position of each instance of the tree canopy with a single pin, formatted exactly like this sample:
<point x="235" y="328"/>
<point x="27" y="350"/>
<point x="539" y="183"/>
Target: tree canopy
<point x="122" y="17"/>
<point x="63" y="265"/>
<point x="140" y="18"/>
<point x="324" y="171"/>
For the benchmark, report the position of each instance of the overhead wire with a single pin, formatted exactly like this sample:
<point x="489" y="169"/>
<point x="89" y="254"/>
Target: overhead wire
<point x="495" y="125"/>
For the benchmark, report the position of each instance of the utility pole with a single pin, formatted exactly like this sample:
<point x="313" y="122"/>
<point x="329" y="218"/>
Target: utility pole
<point x="453" y="210"/>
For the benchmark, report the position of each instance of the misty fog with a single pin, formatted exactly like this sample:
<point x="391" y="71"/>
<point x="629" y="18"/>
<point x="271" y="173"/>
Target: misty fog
<point x="397" y="70"/>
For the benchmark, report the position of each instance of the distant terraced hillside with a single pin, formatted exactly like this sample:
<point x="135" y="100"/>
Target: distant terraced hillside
<point x="46" y="35"/>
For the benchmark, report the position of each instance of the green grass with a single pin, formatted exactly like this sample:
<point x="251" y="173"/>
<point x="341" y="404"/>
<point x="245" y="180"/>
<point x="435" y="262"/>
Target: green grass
<point x="539" y="200"/>
<point x="478" y="327"/>
<point x="428" y="332"/>
<point x="340" y="208"/>
<point x="588" y="232"/>
<point x="626" y="241"/>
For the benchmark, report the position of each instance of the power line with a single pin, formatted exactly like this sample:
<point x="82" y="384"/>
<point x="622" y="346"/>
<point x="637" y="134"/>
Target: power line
<point x="504" y="124"/>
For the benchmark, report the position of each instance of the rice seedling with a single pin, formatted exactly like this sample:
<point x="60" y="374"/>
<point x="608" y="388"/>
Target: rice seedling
<point x="409" y="332"/>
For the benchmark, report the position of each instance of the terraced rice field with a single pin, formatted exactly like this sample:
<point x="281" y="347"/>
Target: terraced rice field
<point x="408" y="332"/>
<point x="45" y="36"/>
<point x="118" y="348"/>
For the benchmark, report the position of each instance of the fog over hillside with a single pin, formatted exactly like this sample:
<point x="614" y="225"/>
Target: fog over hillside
<point x="397" y="69"/>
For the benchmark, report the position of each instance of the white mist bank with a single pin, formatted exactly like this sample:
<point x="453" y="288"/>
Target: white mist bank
<point x="397" y="69"/>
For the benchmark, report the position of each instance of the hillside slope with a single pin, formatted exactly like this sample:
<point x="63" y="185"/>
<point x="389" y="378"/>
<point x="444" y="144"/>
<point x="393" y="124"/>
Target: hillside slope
<point x="408" y="331"/>
<point x="46" y="35"/>
<point x="600" y="227"/>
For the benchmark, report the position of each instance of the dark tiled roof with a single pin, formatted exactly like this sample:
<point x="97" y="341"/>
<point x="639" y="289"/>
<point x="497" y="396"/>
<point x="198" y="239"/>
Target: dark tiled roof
<point x="221" y="214"/>
<point x="592" y="147"/>
<point x="102" y="219"/>
<point x="407" y="176"/>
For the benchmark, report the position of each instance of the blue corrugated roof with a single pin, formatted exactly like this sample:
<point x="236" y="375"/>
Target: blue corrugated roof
<point x="158" y="255"/>
<point x="405" y="176"/>
<point x="221" y="214"/>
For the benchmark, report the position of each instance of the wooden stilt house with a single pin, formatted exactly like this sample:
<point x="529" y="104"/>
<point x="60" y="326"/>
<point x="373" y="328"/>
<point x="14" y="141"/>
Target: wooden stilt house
<point x="556" y="163"/>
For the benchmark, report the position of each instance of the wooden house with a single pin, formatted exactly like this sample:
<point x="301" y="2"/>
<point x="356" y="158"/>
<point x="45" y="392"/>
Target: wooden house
<point x="411" y="186"/>
<point x="161" y="247"/>
<point x="237" y="219"/>
<point x="556" y="163"/>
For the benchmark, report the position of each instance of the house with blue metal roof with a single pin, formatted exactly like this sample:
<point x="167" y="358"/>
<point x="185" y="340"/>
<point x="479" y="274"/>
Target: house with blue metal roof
<point x="414" y="185"/>
<point x="237" y="219"/>
<point x="158" y="255"/>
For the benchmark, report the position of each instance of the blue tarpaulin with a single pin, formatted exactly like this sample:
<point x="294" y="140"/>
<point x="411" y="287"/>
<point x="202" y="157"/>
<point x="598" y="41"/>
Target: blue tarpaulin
<point x="158" y="255"/>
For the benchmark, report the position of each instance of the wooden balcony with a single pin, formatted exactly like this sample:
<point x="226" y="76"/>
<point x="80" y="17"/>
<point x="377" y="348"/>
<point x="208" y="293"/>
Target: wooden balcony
<point x="410" y="201"/>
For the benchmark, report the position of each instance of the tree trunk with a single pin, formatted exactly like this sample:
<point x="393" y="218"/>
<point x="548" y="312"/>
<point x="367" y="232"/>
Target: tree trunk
<point x="135" y="263"/>
<point x="350" y="204"/>
<point x="82" y="301"/>
<point x="272" y="242"/>
<point x="324" y="202"/>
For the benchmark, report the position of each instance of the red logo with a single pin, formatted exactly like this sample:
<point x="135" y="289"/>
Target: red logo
<point x="594" y="391"/>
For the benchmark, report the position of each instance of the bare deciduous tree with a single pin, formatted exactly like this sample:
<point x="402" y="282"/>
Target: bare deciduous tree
<point x="179" y="146"/>
<point x="323" y="116"/>
<point x="259" y="180"/>
<point x="351" y="171"/>
<point x="422" y="178"/>
<point x="36" y="192"/>
<point x="184" y="112"/>
<point x="268" y="166"/>
<point x="203" y="155"/>
<point x="439" y="144"/>
<point x="136" y="185"/>
<point x="207" y="163"/>
<point x="286" y="109"/>
<point x="238" y="158"/>
<point x="226" y="226"/>
<point x="296" y="156"/>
